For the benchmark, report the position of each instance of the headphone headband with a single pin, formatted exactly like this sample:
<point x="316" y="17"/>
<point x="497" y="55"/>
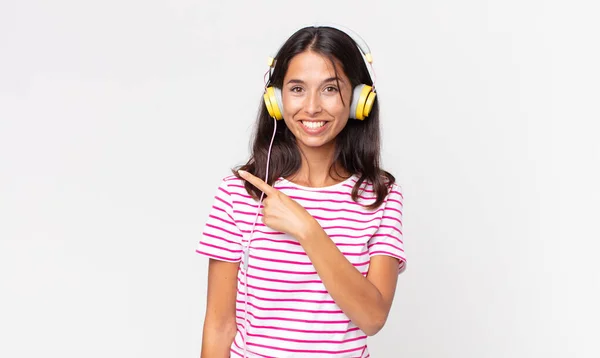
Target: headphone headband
<point x="361" y="44"/>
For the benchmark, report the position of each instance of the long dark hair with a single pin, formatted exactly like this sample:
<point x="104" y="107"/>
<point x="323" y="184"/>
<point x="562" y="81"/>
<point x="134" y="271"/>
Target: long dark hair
<point x="357" y="147"/>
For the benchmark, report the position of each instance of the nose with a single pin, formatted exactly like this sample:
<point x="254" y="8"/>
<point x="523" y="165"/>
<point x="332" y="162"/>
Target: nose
<point x="312" y="104"/>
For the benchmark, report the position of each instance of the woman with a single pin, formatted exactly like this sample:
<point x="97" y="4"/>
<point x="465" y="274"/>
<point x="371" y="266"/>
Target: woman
<point x="316" y="273"/>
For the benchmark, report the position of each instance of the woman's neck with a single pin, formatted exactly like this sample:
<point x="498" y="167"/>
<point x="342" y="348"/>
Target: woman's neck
<point x="315" y="168"/>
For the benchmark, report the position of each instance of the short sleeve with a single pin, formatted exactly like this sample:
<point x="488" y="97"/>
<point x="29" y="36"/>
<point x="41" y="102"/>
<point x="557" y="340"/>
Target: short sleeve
<point x="388" y="239"/>
<point x="221" y="237"/>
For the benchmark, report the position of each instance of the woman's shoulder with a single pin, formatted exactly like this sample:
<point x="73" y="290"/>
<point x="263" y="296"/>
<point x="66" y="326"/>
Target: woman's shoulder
<point x="231" y="179"/>
<point x="231" y="182"/>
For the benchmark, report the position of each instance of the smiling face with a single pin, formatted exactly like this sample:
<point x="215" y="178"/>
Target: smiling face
<point x="312" y="107"/>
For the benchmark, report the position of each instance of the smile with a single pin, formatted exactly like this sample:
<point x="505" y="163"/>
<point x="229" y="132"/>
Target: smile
<point x="312" y="127"/>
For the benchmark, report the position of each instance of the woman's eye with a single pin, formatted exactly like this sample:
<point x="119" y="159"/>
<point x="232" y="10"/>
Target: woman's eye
<point x="331" y="89"/>
<point x="296" y="89"/>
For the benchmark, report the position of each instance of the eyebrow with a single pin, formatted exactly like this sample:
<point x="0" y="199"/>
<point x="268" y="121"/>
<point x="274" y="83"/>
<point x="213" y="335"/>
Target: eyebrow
<point x="330" y="79"/>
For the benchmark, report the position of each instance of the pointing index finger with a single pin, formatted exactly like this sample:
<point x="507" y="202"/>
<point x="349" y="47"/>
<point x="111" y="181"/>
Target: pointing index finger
<point x="257" y="182"/>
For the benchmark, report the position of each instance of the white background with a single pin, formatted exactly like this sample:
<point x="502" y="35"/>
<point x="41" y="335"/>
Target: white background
<point x="118" y="119"/>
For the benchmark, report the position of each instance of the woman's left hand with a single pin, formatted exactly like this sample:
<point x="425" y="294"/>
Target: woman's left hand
<point x="280" y="212"/>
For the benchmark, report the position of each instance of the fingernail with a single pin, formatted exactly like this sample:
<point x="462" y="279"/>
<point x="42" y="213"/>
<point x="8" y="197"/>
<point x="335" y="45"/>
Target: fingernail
<point x="242" y="172"/>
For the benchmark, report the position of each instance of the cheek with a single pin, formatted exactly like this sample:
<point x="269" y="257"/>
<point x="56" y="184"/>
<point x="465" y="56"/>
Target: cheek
<point x="291" y="103"/>
<point x="336" y="107"/>
<point x="345" y="104"/>
<point x="290" y="110"/>
<point x="342" y="123"/>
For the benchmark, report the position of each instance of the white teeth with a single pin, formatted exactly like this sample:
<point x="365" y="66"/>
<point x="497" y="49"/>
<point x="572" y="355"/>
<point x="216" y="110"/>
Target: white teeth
<point x="314" y="125"/>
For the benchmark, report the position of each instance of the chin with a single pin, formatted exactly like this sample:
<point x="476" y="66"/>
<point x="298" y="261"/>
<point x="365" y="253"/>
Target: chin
<point x="315" y="142"/>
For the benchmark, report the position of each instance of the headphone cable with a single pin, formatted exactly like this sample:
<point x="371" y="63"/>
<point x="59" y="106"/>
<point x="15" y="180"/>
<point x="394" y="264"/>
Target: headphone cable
<point x="247" y="249"/>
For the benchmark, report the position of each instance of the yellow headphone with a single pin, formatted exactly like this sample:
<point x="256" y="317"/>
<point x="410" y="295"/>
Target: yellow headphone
<point x="363" y="96"/>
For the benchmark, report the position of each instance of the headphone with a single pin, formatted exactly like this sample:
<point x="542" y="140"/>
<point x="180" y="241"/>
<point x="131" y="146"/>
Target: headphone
<point x="363" y="96"/>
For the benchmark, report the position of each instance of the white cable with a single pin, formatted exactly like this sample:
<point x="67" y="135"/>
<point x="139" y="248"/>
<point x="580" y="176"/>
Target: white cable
<point x="247" y="249"/>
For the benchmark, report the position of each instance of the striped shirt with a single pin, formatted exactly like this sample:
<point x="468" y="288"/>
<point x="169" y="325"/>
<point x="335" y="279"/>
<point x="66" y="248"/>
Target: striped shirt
<point x="289" y="311"/>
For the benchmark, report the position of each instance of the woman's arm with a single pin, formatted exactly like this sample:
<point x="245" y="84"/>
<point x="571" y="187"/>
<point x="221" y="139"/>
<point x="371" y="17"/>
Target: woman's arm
<point x="365" y="300"/>
<point x="219" y="322"/>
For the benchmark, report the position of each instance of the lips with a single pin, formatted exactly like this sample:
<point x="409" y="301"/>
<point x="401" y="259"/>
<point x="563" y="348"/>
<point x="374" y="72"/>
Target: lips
<point x="313" y="126"/>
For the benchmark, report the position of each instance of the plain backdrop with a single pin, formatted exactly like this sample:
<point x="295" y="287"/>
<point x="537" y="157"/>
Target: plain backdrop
<point x="118" y="119"/>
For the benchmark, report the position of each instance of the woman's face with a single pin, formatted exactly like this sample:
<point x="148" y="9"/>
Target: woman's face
<point x="312" y="107"/>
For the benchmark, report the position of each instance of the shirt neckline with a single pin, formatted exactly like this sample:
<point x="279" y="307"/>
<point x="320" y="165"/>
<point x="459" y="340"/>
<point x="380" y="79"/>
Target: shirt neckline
<point x="310" y="188"/>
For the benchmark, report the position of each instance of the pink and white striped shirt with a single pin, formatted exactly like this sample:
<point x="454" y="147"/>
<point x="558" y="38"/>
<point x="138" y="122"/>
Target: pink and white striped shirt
<point x="290" y="313"/>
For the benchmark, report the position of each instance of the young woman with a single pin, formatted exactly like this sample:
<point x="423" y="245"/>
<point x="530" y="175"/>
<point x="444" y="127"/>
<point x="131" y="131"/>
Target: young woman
<point x="313" y="271"/>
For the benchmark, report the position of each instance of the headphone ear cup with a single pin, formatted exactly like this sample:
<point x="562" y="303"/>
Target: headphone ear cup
<point x="273" y="102"/>
<point x="362" y="101"/>
<point x="279" y="99"/>
<point x="355" y="99"/>
<point x="369" y="103"/>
